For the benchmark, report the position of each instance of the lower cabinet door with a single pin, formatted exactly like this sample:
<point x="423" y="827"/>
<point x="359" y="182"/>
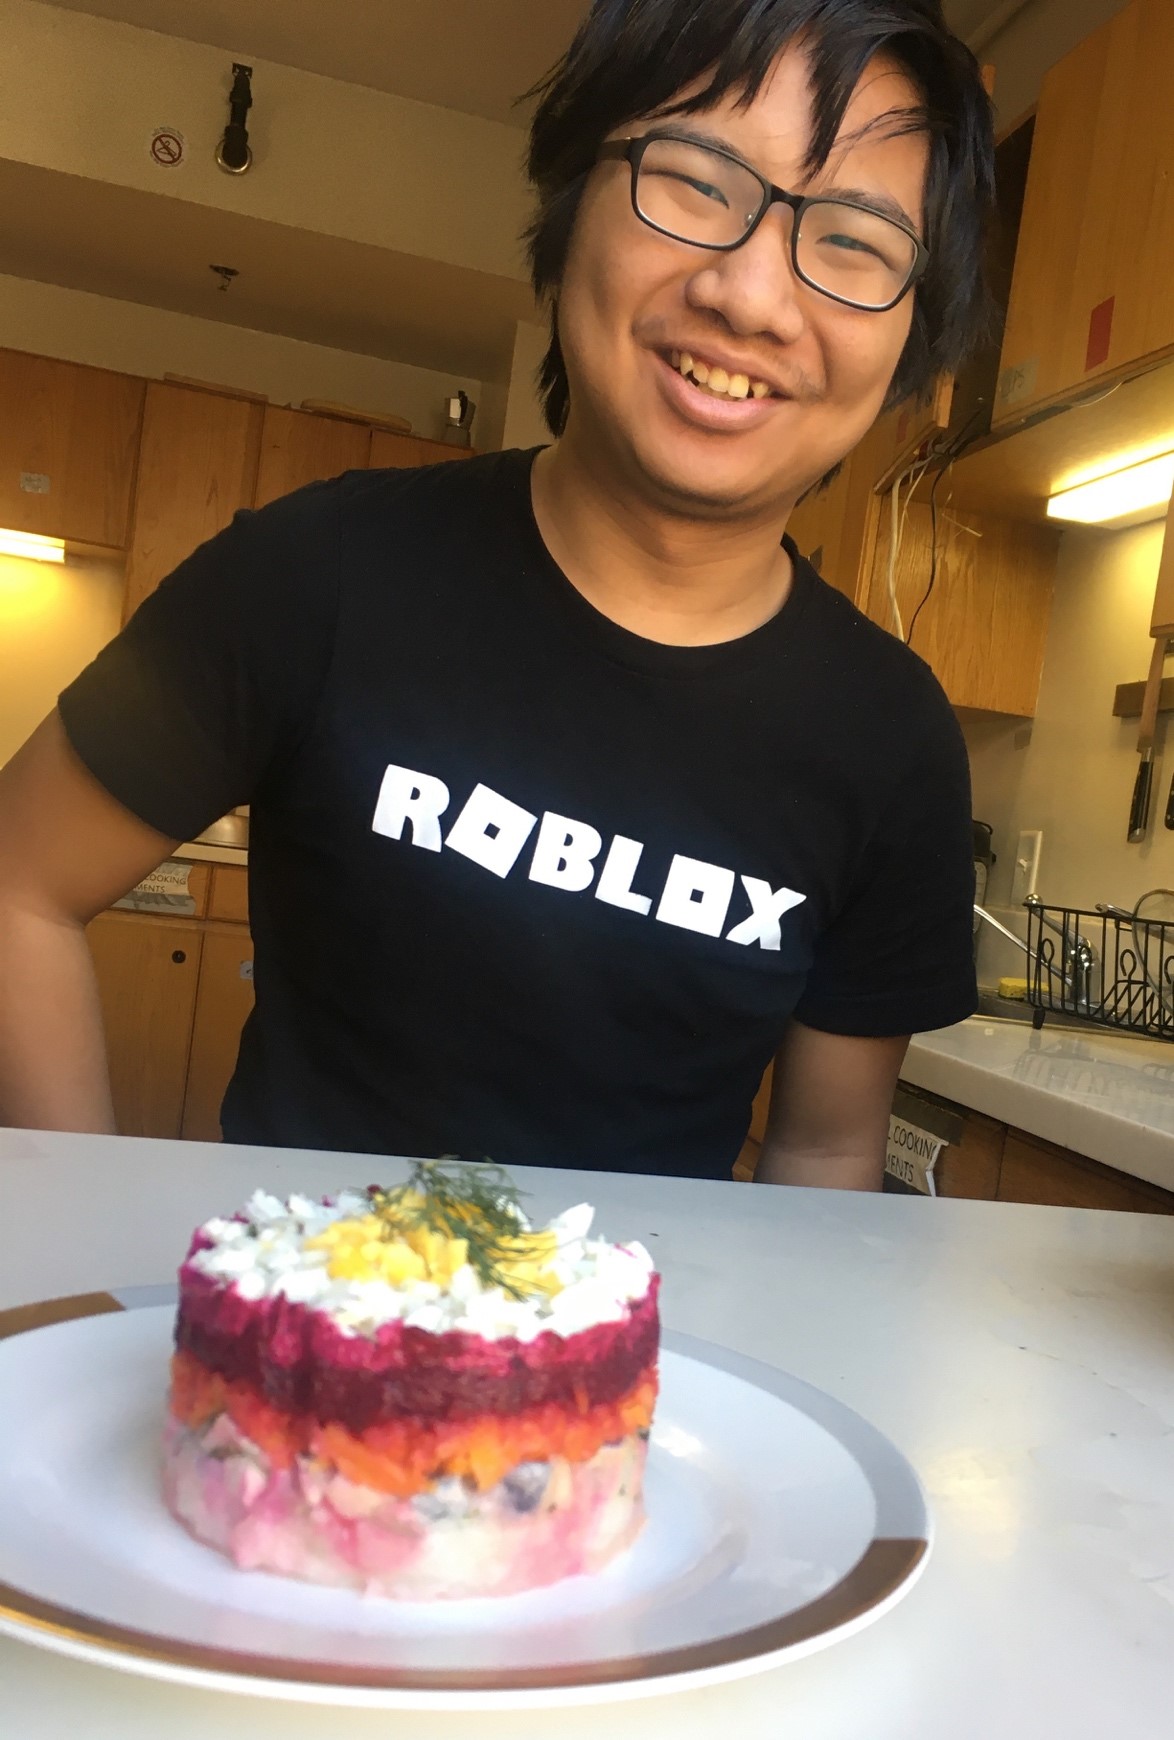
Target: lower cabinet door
<point x="223" y="1002"/>
<point x="147" y="972"/>
<point x="1037" y="1171"/>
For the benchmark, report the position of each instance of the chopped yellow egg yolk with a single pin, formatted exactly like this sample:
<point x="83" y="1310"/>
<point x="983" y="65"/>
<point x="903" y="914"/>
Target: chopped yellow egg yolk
<point x="370" y="1248"/>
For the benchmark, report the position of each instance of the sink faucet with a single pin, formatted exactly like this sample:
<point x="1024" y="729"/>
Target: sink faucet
<point x="1080" y="957"/>
<point x="1079" y="965"/>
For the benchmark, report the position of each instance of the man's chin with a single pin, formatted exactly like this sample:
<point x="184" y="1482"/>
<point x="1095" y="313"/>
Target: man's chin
<point x="706" y="490"/>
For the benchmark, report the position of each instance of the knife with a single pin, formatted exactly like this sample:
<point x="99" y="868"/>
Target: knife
<point x="1139" y="810"/>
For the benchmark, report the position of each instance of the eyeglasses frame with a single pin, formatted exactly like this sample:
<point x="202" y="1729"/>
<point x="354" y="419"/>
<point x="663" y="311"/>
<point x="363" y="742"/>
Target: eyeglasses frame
<point x="631" y="151"/>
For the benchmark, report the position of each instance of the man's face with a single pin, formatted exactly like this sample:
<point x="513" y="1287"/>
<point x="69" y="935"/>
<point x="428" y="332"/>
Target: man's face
<point x="630" y="298"/>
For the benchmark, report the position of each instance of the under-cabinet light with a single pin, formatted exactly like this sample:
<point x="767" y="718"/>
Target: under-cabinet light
<point x="31" y="547"/>
<point x="1131" y="496"/>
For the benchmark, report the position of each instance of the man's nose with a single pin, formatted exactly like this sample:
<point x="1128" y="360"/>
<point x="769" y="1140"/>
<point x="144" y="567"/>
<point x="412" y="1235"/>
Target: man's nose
<point x="755" y="288"/>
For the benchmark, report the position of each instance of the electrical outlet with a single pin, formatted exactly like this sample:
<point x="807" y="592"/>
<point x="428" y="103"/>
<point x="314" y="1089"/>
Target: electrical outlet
<point x="1026" y="872"/>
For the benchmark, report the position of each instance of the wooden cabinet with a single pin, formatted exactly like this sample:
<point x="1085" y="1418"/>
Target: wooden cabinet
<point x="987" y="582"/>
<point x="992" y="1163"/>
<point x="147" y="971"/>
<point x="223" y="1002"/>
<point x="175" y="994"/>
<point x="197" y="467"/>
<point x="229" y="897"/>
<point x="68" y="437"/>
<point x="1090" y="297"/>
<point x="829" y="527"/>
<point x="983" y="627"/>
<point x="299" y="447"/>
<point x="1036" y="1171"/>
<point x="838" y="527"/>
<point x="397" y="451"/>
<point x="394" y="451"/>
<point x="971" y="1167"/>
<point x="746" y="1165"/>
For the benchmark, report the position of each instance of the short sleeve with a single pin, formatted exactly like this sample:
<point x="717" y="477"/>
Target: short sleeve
<point x="899" y="957"/>
<point x="217" y="675"/>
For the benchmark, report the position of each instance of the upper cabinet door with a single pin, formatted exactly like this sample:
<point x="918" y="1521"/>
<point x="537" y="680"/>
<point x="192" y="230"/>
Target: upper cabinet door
<point x="392" y="451"/>
<point x="395" y="452"/>
<point x="67" y="449"/>
<point x="300" y="447"/>
<point x="829" y="527"/>
<point x="1091" y="294"/>
<point x="197" y="467"/>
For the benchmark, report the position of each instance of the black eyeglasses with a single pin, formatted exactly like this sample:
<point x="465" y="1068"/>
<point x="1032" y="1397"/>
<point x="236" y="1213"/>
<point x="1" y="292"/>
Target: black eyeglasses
<point x="704" y="195"/>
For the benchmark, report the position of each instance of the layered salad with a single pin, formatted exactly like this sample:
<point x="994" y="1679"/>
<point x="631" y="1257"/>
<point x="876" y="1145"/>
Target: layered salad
<point x="412" y="1391"/>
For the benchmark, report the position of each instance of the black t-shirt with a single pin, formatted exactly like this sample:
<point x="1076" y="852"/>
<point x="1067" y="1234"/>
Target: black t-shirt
<point x="524" y="884"/>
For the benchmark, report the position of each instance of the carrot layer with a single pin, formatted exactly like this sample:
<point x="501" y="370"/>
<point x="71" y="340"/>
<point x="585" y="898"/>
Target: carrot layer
<point x="405" y="1457"/>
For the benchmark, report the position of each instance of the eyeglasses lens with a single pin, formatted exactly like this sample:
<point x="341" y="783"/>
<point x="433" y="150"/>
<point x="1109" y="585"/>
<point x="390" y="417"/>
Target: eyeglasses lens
<point x="703" y="197"/>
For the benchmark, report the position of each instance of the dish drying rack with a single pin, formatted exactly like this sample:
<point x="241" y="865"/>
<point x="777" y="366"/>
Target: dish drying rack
<point x="1108" y="966"/>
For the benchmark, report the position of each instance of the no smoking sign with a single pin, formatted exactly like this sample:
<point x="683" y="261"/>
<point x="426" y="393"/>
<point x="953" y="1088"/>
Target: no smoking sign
<point x="167" y="147"/>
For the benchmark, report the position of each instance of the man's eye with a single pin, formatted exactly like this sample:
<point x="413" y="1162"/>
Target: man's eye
<point x="705" y="188"/>
<point x="851" y="244"/>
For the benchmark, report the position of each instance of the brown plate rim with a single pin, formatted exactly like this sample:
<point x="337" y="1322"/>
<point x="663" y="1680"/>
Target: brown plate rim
<point x="884" y="1567"/>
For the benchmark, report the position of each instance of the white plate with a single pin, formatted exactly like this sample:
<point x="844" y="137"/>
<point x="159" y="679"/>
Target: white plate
<point x="779" y="1522"/>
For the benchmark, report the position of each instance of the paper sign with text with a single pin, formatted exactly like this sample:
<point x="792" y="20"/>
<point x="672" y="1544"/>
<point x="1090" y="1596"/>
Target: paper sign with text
<point x="164" y="890"/>
<point x="911" y="1155"/>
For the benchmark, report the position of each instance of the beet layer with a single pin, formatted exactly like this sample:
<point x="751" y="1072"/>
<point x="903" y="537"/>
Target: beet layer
<point x="299" y="1360"/>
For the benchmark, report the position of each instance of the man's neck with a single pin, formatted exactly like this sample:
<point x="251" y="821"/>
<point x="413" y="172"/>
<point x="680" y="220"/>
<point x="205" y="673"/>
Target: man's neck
<point x="666" y="576"/>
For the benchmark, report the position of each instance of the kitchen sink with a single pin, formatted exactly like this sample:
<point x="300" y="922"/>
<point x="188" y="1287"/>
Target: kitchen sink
<point x="992" y="1007"/>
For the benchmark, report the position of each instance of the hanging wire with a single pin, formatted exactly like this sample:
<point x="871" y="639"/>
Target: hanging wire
<point x="953" y="453"/>
<point x="900" y="517"/>
<point x="933" y="558"/>
<point x="894" y="546"/>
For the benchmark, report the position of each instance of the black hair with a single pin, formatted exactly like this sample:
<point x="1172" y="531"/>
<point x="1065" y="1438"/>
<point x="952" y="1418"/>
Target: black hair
<point x="631" y="58"/>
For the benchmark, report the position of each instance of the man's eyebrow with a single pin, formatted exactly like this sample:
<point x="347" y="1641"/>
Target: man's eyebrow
<point x="695" y="135"/>
<point x="881" y="203"/>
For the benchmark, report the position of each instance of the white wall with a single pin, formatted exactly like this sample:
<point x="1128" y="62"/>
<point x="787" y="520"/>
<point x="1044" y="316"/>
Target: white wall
<point x="53" y="619"/>
<point x="139" y="340"/>
<point x="1071" y="771"/>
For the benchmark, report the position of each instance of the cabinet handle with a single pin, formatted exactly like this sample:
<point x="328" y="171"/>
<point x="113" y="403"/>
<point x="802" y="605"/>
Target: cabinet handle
<point x="179" y="956"/>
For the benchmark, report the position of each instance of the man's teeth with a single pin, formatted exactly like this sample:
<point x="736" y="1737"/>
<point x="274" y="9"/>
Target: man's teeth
<point x="716" y="380"/>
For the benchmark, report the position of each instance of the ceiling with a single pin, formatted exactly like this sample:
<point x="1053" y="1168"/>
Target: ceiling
<point x="150" y="248"/>
<point x="476" y="56"/>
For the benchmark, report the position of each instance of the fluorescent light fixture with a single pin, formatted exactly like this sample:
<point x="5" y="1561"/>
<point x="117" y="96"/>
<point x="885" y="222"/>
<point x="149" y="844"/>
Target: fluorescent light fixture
<point x="31" y="547"/>
<point x="1128" y="497"/>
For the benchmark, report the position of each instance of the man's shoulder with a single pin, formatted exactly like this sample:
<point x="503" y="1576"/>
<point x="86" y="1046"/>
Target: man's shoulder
<point x="860" y="655"/>
<point x="403" y="491"/>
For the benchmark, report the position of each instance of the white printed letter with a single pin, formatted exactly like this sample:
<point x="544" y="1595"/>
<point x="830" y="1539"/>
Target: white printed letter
<point x="767" y="907"/>
<point x="696" y="896"/>
<point x="615" y="879"/>
<point x="565" y="853"/>
<point x="491" y="830"/>
<point x="405" y="796"/>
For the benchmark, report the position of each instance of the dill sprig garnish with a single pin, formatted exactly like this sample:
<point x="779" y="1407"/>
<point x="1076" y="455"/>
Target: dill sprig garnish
<point x="460" y="1199"/>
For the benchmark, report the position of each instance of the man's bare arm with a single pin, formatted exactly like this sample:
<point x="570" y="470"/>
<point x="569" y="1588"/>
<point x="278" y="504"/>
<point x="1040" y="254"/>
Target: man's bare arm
<point x="829" y="1110"/>
<point x="67" y="851"/>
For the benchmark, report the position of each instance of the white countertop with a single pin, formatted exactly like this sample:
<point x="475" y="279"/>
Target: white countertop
<point x="196" y="852"/>
<point x="1106" y="1096"/>
<point x="1021" y="1357"/>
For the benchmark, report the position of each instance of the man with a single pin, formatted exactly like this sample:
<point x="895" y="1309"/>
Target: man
<point x="576" y="795"/>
